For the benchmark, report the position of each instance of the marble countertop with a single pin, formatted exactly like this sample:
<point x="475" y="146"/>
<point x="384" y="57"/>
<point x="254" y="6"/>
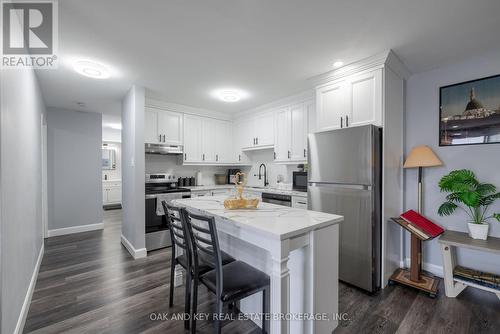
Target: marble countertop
<point x="279" y="222"/>
<point x="256" y="189"/>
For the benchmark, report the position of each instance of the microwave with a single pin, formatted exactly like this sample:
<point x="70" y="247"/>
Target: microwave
<point x="299" y="181"/>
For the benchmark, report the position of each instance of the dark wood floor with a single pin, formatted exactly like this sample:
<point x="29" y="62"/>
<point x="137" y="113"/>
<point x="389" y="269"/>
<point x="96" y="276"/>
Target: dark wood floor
<point x="88" y="283"/>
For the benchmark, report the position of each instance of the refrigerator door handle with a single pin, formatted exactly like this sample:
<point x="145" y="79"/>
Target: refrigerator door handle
<point x="340" y="185"/>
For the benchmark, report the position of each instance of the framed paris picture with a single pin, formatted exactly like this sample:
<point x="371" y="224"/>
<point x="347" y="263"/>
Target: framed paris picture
<point x="469" y="112"/>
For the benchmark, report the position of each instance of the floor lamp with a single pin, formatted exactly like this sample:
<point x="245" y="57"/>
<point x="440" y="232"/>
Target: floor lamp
<point x="419" y="157"/>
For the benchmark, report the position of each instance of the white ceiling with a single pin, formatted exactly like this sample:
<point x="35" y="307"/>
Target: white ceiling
<point x="182" y="50"/>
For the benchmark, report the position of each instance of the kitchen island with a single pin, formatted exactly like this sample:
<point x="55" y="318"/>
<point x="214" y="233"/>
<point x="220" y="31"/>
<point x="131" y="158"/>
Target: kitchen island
<point x="298" y="249"/>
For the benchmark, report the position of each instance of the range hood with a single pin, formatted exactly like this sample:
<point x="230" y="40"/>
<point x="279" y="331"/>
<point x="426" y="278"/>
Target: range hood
<point x="162" y="149"/>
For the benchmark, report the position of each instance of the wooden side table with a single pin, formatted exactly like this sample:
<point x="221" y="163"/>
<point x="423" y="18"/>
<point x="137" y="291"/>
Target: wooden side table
<point x="448" y="242"/>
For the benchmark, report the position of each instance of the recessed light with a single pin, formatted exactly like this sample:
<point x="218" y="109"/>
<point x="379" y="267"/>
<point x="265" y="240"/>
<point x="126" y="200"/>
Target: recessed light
<point x="338" y="64"/>
<point x="91" y="69"/>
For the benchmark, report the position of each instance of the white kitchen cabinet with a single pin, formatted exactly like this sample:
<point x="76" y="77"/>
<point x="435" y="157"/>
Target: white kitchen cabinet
<point x="283" y="135"/>
<point x="240" y="130"/>
<point x="111" y="192"/>
<point x="365" y="99"/>
<point x="162" y="127"/>
<point x="291" y="133"/>
<point x="192" y="138"/>
<point x="200" y="193"/>
<point x="258" y="132"/>
<point x="352" y="101"/>
<point x="331" y="105"/>
<point x="223" y="141"/>
<point x="299" y="202"/>
<point x="208" y="141"/>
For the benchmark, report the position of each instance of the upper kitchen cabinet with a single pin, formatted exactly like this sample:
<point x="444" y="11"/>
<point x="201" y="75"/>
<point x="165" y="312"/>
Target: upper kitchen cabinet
<point x="192" y="138"/>
<point x="162" y="127"/>
<point x="353" y="100"/>
<point x="258" y="131"/>
<point x="207" y="141"/>
<point x="332" y="105"/>
<point x="291" y="132"/>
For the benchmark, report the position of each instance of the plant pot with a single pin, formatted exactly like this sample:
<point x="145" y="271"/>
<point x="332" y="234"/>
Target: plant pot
<point x="478" y="231"/>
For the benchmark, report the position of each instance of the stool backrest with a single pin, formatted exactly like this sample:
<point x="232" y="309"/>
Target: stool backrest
<point x="205" y="243"/>
<point x="178" y="229"/>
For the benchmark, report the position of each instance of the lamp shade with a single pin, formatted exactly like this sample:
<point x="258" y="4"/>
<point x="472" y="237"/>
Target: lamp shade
<point x="422" y="156"/>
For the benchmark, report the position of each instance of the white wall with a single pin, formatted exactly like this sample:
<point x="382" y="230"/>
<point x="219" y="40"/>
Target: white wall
<point x="21" y="241"/>
<point x="133" y="194"/>
<point x="422" y="126"/>
<point x="74" y="170"/>
<point x="273" y="170"/>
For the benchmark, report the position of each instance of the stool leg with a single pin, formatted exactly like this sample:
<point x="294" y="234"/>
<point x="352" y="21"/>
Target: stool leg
<point x="195" y="304"/>
<point x="187" y="301"/>
<point x="172" y="274"/>
<point x="218" y="312"/>
<point x="265" y="310"/>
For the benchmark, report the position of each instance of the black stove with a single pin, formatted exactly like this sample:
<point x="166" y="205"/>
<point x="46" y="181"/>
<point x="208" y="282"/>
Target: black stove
<point x="158" y="188"/>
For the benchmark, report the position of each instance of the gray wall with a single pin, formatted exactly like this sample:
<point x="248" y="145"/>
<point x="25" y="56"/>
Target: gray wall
<point x="133" y="194"/>
<point x="21" y="240"/>
<point x="422" y="113"/>
<point x="74" y="168"/>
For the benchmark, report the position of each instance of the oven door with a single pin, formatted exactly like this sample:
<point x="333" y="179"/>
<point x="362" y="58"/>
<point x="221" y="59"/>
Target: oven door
<point x="154" y="222"/>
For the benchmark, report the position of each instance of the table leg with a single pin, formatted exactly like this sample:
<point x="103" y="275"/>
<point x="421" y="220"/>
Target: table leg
<point x="280" y="290"/>
<point x="452" y="289"/>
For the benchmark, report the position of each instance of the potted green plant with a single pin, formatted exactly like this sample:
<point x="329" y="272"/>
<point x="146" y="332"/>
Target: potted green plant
<point x="471" y="196"/>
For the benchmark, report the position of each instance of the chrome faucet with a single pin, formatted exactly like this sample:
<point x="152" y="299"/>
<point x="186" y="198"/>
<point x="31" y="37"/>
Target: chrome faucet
<point x="265" y="174"/>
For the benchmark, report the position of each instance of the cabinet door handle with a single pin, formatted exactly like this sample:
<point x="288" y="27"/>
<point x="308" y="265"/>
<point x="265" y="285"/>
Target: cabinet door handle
<point x="203" y="156"/>
<point x="346" y="121"/>
<point x="257" y="140"/>
<point x="159" y="138"/>
<point x="341" y="122"/>
<point x="288" y="154"/>
<point x="274" y="155"/>
<point x="239" y="157"/>
<point x="185" y="156"/>
<point x="216" y="157"/>
<point x="304" y="153"/>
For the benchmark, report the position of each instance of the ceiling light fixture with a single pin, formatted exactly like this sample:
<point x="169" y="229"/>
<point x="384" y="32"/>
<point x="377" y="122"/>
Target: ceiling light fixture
<point x="338" y="64"/>
<point x="91" y="69"/>
<point x="229" y="95"/>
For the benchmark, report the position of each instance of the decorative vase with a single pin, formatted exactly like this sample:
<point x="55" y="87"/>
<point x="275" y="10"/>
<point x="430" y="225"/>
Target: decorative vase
<point x="478" y="231"/>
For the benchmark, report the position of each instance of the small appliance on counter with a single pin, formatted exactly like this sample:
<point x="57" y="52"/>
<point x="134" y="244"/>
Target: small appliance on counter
<point x="299" y="181"/>
<point x="220" y="179"/>
<point x="232" y="175"/>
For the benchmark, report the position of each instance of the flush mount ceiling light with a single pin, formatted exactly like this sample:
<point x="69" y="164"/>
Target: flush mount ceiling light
<point x="91" y="69"/>
<point x="338" y="64"/>
<point x="229" y="95"/>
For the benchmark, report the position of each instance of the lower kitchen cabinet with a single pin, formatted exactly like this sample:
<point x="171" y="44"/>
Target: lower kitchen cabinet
<point x="299" y="202"/>
<point x="111" y="192"/>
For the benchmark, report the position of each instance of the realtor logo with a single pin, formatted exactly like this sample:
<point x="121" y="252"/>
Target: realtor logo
<point x="29" y="34"/>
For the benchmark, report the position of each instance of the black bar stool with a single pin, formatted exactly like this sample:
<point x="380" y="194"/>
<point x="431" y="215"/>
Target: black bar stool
<point x="179" y="234"/>
<point x="231" y="282"/>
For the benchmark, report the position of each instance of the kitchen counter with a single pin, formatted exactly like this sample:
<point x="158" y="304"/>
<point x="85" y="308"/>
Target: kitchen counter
<point x="256" y="189"/>
<point x="298" y="249"/>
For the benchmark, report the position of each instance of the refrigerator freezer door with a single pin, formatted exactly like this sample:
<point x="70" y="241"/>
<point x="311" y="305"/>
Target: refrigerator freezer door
<point x="357" y="244"/>
<point x="343" y="156"/>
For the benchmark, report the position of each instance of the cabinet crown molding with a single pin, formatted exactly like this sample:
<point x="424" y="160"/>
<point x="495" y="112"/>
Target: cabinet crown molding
<point x="386" y="58"/>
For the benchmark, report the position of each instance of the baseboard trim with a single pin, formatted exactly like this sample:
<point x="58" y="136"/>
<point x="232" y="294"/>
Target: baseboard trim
<point x="136" y="253"/>
<point x="21" y="321"/>
<point x="75" y="229"/>
<point x="432" y="268"/>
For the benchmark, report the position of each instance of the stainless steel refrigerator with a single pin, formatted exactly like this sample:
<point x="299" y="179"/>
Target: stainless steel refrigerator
<point x="344" y="178"/>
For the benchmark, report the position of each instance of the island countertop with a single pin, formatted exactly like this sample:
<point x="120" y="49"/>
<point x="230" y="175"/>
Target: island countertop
<point x="278" y="222"/>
